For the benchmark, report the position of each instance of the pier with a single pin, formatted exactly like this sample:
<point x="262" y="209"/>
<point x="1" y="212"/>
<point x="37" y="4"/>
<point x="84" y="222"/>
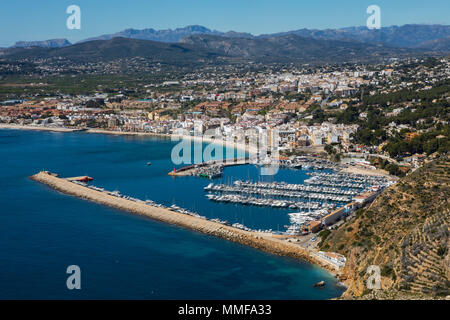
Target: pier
<point x="211" y="169"/>
<point x="258" y="240"/>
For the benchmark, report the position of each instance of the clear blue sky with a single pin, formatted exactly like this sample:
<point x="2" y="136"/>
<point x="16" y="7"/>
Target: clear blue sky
<point x="46" y="19"/>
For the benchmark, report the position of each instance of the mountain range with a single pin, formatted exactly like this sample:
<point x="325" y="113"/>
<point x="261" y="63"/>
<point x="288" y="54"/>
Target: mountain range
<point x="168" y="35"/>
<point x="410" y="35"/>
<point x="198" y="45"/>
<point x="200" y="49"/>
<point x="293" y="48"/>
<point x="117" y="48"/>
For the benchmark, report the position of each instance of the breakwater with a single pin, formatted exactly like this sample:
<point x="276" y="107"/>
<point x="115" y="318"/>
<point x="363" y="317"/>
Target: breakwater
<point x="256" y="240"/>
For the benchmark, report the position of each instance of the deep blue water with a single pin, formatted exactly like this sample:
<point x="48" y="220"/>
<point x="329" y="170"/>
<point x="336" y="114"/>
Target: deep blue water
<point x="123" y="256"/>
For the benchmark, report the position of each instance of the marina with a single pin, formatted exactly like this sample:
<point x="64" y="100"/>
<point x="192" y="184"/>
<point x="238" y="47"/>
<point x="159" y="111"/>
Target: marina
<point x="312" y="195"/>
<point x="347" y="180"/>
<point x="260" y="239"/>
<point x="269" y="215"/>
<point x="323" y="198"/>
<point x="320" y="205"/>
<point x="295" y="187"/>
<point x="274" y="203"/>
<point x="151" y="203"/>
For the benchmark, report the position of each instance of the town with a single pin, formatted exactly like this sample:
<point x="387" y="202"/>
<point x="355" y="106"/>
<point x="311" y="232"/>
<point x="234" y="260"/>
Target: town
<point x="390" y="116"/>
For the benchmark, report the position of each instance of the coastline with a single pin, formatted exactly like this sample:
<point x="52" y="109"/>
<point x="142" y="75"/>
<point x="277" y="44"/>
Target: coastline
<point x="225" y="143"/>
<point x="228" y="144"/>
<point x="257" y="240"/>
<point x="35" y="128"/>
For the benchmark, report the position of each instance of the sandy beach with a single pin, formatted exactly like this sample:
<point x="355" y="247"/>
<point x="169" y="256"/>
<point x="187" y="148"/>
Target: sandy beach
<point x="228" y="144"/>
<point x="370" y="172"/>
<point x="262" y="241"/>
<point x="242" y="147"/>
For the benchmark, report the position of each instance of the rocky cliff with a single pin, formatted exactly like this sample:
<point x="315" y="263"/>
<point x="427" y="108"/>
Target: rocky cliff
<point x="405" y="232"/>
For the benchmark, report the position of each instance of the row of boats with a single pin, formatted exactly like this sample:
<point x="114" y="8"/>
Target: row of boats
<point x="321" y="193"/>
<point x="308" y="163"/>
<point x="347" y="180"/>
<point x="222" y="188"/>
<point x="303" y="217"/>
<point x="295" y="187"/>
<point x="269" y="202"/>
<point x="209" y="172"/>
<point x="344" y="179"/>
<point x="173" y="207"/>
<point x="317" y="181"/>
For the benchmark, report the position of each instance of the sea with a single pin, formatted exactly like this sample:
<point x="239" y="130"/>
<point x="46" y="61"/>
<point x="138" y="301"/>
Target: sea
<point x="125" y="256"/>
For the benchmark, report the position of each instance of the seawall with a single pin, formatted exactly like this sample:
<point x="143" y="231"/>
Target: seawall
<point x="256" y="240"/>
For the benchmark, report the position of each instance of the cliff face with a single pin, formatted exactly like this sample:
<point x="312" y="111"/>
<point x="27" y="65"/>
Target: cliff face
<point x="405" y="232"/>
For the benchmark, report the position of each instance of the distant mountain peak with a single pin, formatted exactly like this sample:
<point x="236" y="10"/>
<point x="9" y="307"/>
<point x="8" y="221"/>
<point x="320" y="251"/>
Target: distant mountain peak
<point x="195" y="28"/>
<point x="409" y="35"/>
<point x="423" y="36"/>
<point x="167" y="35"/>
<point x="52" y="43"/>
<point x="198" y="49"/>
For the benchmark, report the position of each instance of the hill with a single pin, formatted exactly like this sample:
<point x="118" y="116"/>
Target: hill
<point x="405" y="232"/>
<point x="293" y="48"/>
<point x="409" y="36"/>
<point x="406" y="36"/>
<point x="442" y="45"/>
<point x="197" y="49"/>
<point x="118" y="48"/>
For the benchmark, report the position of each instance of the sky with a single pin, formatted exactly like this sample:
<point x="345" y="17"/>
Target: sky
<point x="31" y="20"/>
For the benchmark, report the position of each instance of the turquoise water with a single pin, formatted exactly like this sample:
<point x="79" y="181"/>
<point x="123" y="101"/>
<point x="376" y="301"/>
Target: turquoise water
<point x="123" y="256"/>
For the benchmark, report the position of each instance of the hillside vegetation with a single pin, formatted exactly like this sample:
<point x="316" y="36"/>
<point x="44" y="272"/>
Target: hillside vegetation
<point x="200" y="49"/>
<point x="405" y="231"/>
